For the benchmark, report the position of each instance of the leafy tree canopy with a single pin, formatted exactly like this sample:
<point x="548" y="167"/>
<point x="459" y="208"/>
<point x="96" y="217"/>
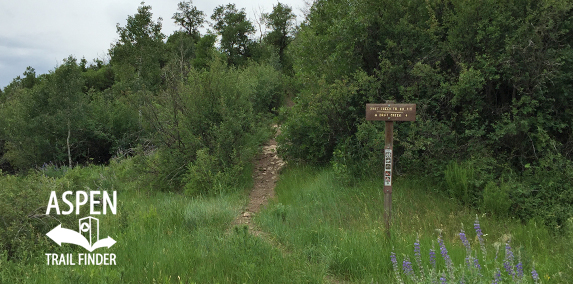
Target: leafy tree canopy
<point x="234" y="28"/>
<point x="189" y="18"/>
<point x="281" y="22"/>
<point x="139" y="52"/>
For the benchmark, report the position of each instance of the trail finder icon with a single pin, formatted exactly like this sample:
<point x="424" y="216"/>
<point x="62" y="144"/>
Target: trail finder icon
<point x="86" y="237"/>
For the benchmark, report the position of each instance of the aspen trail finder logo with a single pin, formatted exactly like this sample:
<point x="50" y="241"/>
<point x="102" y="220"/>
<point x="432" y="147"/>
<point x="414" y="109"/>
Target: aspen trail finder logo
<point x="88" y="234"/>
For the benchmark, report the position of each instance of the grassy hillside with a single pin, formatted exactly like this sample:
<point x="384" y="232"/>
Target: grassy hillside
<point x="341" y="229"/>
<point x="484" y="186"/>
<point x="161" y="237"/>
<point x="319" y="231"/>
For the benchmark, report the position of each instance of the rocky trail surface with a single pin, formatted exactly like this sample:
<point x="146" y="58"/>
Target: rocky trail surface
<point x="265" y="176"/>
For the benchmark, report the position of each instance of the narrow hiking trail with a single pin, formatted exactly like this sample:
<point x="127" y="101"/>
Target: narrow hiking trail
<point x="265" y="176"/>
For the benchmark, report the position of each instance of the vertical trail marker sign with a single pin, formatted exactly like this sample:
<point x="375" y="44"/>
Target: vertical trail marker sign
<point x="389" y="112"/>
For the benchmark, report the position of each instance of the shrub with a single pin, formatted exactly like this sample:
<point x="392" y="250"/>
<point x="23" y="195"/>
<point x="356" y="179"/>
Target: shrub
<point x="460" y="182"/>
<point x="323" y="118"/>
<point x="206" y="129"/>
<point x="546" y="191"/>
<point x="202" y="174"/>
<point x="268" y="88"/>
<point x="496" y="198"/>
<point x="23" y="226"/>
<point x="359" y="156"/>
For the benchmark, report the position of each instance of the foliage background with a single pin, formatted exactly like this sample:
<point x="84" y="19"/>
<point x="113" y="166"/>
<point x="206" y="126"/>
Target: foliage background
<point x="186" y="112"/>
<point x="491" y="81"/>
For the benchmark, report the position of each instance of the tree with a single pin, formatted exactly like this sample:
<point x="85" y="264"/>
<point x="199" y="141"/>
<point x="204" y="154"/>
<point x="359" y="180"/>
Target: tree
<point x="234" y="28"/>
<point x="47" y="123"/>
<point x="189" y="18"/>
<point x="29" y="79"/>
<point x="281" y="20"/>
<point x="204" y="50"/>
<point x="140" y="49"/>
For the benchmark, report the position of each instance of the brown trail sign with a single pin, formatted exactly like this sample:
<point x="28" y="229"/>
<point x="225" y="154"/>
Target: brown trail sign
<point x="389" y="112"/>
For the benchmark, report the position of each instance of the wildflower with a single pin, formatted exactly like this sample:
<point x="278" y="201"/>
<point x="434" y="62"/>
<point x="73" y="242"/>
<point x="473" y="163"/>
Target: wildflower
<point x="444" y="252"/>
<point x="534" y="275"/>
<point x="418" y="256"/>
<point x="467" y="245"/>
<point x="417" y="253"/>
<point x="508" y="263"/>
<point x="464" y="240"/>
<point x="407" y="267"/>
<point x="447" y="259"/>
<point x="476" y="264"/>
<point x="519" y="269"/>
<point x="395" y="266"/>
<point x="443" y="278"/>
<point x="479" y="234"/>
<point x="497" y="277"/>
<point x="433" y="258"/>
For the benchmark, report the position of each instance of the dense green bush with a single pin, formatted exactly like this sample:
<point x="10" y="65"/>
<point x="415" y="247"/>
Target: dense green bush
<point x="489" y="80"/>
<point x="55" y="121"/>
<point x="460" y="182"/>
<point x="322" y="118"/>
<point x="546" y="192"/>
<point x="23" y="226"/>
<point x="469" y="66"/>
<point x="268" y="88"/>
<point x="496" y="198"/>
<point x="207" y="128"/>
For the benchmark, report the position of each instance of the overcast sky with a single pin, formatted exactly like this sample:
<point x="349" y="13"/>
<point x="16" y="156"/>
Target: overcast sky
<point x="41" y="33"/>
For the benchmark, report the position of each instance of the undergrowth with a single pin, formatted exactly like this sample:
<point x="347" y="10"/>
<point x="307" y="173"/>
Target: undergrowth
<point x="341" y="229"/>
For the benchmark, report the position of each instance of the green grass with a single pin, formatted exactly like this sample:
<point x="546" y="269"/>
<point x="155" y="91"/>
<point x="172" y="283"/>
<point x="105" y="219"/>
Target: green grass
<point x="341" y="228"/>
<point x="326" y="231"/>
<point x="170" y="238"/>
<point x="165" y="238"/>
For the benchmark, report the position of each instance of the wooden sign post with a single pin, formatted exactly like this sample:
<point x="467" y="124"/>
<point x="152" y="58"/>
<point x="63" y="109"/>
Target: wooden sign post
<point x="389" y="112"/>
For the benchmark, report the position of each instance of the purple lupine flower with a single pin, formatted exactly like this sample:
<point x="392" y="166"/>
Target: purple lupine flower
<point x="417" y="253"/>
<point x="476" y="264"/>
<point x="444" y="253"/>
<point x="519" y="269"/>
<point x="418" y="256"/>
<point x="443" y="278"/>
<point x="508" y="263"/>
<point x="393" y="259"/>
<point x="508" y="268"/>
<point x="467" y="245"/>
<point x="464" y="240"/>
<point x="479" y="234"/>
<point x="395" y="266"/>
<point x="433" y="258"/>
<point x="447" y="259"/>
<point x="477" y="227"/>
<point x="534" y="275"/>
<point x="497" y="277"/>
<point x="407" y="267"/>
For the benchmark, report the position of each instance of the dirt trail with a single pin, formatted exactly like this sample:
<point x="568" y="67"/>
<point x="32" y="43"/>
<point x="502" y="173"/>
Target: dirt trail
<point x="265" y="175"/>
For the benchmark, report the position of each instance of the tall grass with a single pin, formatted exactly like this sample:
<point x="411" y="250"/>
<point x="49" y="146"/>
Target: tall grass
<point x="325" y="231"/>
<point x="163" y="238"/>
<point x="341" y="228"/>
